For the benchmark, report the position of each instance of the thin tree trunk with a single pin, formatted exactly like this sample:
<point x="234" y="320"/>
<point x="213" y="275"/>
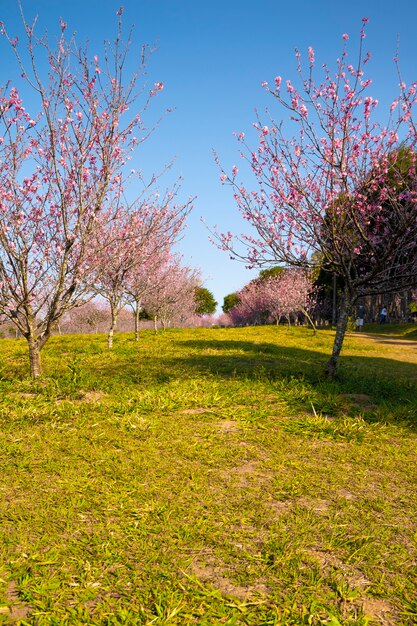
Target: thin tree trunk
<point x="34" y="358"/>
<point x="114" y="313"/>
<point x="137" y="314"/>
<point x="334" y="307"/>
<point x="310" y="320"/>
<point x="346" y="307"/>
<point x="155" y="324"/>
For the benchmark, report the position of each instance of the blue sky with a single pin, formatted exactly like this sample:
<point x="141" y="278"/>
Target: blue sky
<point x="212" y="57"/>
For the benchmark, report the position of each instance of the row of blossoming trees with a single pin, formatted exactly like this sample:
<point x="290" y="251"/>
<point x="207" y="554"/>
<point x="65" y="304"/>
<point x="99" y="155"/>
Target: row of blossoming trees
<point x="68" y="228"/>
<point x="274" y="297"/>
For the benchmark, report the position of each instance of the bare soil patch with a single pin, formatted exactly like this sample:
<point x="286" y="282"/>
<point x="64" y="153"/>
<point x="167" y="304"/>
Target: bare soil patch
<point x="228" y="426"/>
<point x="196" y="411"/>
<point x="93" y="396"/>
<point x="314" y="504"/>
<point x="361" y="400"/>
<point x="279" y="507"/>
<point x="211" y="572"/>
<point x="351" y="574"/>
<point x="381" y="610"/>
<point x="17" y="611"/>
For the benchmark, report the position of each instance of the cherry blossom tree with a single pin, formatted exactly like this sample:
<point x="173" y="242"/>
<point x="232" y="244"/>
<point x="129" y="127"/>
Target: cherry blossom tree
<point x="140" y="283"/>
<point x="266" y="300"/>
<point x="288" y="294"/>
<point x="171" y="300"/>
<point x="342" y="191"/>
<point x="60" y="166"/>
<point x="87" y="318"/>
<point x="252" y="305"/>
<point x="131" y="243"/>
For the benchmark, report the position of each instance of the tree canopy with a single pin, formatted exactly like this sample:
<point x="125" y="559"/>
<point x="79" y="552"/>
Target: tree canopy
<point x="204" y="301"/>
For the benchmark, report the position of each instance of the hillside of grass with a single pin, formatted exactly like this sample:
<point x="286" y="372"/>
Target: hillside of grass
<point x="210" y="476"/>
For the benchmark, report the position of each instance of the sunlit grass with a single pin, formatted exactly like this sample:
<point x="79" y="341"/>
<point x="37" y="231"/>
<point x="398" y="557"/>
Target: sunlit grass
<point x="209" y="477"/>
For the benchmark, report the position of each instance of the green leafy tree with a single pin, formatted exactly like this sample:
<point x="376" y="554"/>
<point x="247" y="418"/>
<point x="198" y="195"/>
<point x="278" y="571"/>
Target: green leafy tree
<point x="230" y="301"/>
<point x="204" y="300"/>
<point x="272" y="271"/>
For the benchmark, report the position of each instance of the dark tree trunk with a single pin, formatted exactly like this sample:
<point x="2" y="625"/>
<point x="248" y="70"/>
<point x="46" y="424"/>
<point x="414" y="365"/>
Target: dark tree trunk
<point x="334" y="305"/>
<point x="345" y="309"/>
<point x="34" y="358"/>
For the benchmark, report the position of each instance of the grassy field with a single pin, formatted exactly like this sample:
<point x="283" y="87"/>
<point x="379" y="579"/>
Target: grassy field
<point x="210" y="476"/>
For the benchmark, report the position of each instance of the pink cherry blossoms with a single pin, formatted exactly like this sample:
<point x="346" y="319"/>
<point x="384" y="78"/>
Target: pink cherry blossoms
<point x="269" y="300"/>
<point x="129" y="249"/>
<point x="341" y="193"/>
<point x="62" y="175"/>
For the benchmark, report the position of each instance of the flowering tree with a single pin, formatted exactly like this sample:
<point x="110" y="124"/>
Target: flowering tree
<point x="341" y="192"/>
<point x="58" y="168"/>
<point x="131" y="243"/>
<point x="266" y="300"/>
<point x="289" y="293"/>
<point x="171" y="300"/>
<point x="87" y="318"/>
<point x="251" y="307"/>
<point x="140" y="283"/>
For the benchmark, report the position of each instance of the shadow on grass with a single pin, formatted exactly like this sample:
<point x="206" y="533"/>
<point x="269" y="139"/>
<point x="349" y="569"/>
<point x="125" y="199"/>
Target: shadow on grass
<point x="399" y="331"/>
<point x="373" y="374"/>
<point x="389" y="384"/>
<point x="386" y="382"/>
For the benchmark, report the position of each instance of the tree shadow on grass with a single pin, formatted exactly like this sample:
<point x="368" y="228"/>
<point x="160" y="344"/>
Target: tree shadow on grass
<point x="383" y="381"/>
<point x="217" y="356"/>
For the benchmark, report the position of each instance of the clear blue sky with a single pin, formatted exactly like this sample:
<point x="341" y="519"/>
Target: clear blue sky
<point x="212" y="57"/>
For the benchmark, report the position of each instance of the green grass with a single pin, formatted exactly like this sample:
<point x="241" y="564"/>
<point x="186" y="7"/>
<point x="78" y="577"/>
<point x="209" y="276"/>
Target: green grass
<point x="210" y="476"/>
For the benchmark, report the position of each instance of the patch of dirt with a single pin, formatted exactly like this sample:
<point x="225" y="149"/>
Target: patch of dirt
<point x="197" y="411"/>
<point x="17" y="611"/>
<point x="279" y="507"/>
<point x="399" y="342"/>
<point x="381" y="610"/>
<point x="235" y="407"/>
<point x="228" y="426"/>
<point x="23" y="394"/>
<point x="249" y="474"/>
<point x="211" y="572"/>
<point x="360" y="399"/>
<point x="314" y="504"/>
<point x="353" y="576"/>
<point x="345" y="493"/>
<point x="93" y="396"/>
<point x="395" y="341"/>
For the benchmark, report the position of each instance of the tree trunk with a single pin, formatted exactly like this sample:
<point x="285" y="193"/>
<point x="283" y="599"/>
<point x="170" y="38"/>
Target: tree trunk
<point x="305" y="312"/>
<point x="34" y="358"/>
<point x="137" y="314"/>
<point x="345" y="309"/>
<point x="155" y="324"/>
<point x="334" y="306"/>
<point x="114" y="313"/>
